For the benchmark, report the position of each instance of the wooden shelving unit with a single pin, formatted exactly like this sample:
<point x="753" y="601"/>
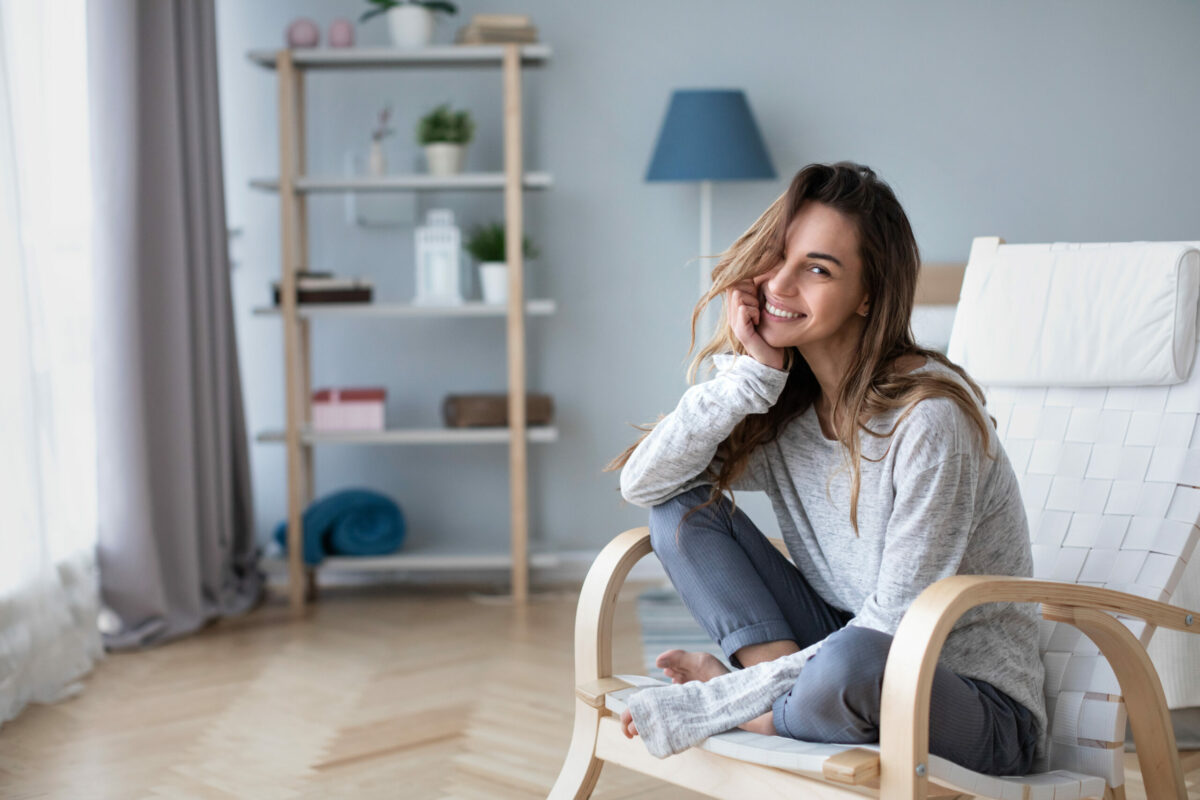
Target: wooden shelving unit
<point x="293" y="186"/>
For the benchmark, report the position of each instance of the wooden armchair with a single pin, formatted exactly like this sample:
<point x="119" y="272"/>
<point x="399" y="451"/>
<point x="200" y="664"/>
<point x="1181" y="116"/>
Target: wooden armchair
<point x="1110" y="477"/>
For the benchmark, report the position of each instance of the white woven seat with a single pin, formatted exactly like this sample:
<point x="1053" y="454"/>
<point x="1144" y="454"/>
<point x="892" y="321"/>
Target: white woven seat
<point x="1109" y="478"/>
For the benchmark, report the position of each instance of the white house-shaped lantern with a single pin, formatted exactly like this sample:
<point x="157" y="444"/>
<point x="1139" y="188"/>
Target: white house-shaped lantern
<point x="438" y="245"/>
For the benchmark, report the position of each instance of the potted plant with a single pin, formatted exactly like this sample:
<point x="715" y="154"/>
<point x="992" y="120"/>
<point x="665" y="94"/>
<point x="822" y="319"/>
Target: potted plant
<point x="409" y="21"/>
<point x="487" y="244"/>
<point x="445" y="134"/>
<point x="378" y="161"/>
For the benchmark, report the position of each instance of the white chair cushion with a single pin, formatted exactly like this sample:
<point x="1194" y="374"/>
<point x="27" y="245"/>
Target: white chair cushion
<point x="1090" y="314"/>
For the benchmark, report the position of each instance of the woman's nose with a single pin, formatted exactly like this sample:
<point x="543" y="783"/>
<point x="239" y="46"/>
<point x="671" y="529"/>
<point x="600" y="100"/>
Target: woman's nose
<point x="781" y="282"/>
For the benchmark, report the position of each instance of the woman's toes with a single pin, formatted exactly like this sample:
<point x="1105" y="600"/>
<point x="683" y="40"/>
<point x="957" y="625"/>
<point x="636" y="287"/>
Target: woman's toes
<point x="668" y="658"/>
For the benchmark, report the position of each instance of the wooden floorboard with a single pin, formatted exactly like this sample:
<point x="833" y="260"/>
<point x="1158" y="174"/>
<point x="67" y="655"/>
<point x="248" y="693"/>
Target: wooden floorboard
<point x="380" y="692"/>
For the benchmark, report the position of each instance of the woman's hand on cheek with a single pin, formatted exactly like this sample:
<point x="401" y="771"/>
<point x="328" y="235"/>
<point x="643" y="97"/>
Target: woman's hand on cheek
<point x="745" y="315"/>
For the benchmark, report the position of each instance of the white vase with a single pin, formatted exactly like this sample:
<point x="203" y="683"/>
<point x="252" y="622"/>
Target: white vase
<point x="410" y="25"/>
<point x="493" y="281"/>
<point x="445" y="158"/>
<point x="377" y="160"/>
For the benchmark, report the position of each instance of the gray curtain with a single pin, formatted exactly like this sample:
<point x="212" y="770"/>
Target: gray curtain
<point x="176" y="538"/>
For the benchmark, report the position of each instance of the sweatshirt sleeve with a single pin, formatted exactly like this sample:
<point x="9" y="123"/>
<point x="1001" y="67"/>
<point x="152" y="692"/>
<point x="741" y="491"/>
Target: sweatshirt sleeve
<point x="926" y="537"/>
<point x="683" y="443"/>
<point x="672" y="718"/>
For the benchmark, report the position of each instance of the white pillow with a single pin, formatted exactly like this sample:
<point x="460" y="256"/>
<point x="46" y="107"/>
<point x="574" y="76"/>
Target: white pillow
<point x="1078" y="314"/>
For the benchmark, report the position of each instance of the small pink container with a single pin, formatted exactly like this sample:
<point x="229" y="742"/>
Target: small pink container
<point x="349" y="409"/>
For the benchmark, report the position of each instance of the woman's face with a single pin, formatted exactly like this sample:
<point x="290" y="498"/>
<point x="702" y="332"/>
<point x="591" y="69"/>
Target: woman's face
<point x="815" y="294"/>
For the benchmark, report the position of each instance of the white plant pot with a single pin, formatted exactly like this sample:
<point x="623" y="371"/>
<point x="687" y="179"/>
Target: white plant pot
<point x="410" y="25"/>
<point x="493" y="280"/>
<point x="445" y="158"/>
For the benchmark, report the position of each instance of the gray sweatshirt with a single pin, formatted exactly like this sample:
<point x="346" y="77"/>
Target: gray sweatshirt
<point x="934" y="506"/>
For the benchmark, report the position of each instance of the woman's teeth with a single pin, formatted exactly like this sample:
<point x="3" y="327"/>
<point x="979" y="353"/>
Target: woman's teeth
<point x="779" y="312"/>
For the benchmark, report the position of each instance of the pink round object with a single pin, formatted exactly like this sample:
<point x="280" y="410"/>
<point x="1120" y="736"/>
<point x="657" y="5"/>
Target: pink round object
<point x="341" y="33"/>
<point x="303" y="32"/>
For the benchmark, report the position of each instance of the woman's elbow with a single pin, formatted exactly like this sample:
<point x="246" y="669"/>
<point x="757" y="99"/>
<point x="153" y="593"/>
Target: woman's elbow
<point x="634" y="491"/>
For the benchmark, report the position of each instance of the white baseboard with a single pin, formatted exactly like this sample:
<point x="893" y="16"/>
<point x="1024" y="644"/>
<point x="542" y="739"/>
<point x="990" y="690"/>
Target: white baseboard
<point x="571" y="566"/>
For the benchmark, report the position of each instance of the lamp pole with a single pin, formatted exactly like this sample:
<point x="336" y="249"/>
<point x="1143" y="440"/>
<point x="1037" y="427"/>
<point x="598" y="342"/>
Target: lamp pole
<point x="706" y="327"/>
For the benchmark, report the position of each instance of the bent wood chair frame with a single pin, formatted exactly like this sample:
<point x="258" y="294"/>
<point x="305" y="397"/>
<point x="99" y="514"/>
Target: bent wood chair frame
<point x="897" y="769"/>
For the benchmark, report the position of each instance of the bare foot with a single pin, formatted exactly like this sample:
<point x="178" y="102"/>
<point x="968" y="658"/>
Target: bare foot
<point x="682" y="666"/>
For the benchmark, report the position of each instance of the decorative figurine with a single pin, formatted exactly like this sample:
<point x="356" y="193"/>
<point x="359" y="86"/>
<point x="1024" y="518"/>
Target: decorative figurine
<point x="341" y="33"/>
<point x="303" y="32"/>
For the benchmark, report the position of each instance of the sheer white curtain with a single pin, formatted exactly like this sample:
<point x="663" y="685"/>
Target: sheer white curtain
<point x="48" y="583"/>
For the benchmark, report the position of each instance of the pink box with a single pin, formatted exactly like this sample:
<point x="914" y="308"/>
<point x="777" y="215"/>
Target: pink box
<point x="348" y="409"/>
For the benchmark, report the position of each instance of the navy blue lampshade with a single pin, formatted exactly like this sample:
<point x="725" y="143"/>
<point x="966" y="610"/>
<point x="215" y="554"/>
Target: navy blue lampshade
<point x="709" y="135"/>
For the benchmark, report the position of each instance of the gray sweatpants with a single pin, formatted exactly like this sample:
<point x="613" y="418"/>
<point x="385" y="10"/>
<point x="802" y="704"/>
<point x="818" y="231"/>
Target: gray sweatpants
<point x="743" y="591"/>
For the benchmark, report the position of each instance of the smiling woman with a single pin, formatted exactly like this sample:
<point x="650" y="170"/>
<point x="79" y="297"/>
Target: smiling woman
<point x="820" y="374"/>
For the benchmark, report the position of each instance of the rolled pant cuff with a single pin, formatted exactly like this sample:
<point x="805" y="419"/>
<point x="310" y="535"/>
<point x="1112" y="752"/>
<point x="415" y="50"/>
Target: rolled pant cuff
<point x="779" y="716"/>
<point x="758" y="633"/>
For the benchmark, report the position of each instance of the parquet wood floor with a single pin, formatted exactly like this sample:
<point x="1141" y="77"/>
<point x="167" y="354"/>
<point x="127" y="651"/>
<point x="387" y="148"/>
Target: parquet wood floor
<point x="380" y="692"/>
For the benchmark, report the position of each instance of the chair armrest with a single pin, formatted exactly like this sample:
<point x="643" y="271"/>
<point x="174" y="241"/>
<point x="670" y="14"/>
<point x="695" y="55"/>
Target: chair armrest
<point x="598" y="602"/>
<point x="908" y="675"/>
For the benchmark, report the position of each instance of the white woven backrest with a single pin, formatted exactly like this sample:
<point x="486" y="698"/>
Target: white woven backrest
<point x="1109" y="477"/>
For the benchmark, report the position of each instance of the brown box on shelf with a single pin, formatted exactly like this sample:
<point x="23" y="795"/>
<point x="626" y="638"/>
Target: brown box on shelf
<point x="491" y="410"/>
<point x="360" y="294"/>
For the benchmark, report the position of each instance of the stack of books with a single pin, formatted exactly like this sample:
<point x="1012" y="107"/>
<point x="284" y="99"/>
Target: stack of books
<point x="322" y="287"/>
<point x="498" y="29"/>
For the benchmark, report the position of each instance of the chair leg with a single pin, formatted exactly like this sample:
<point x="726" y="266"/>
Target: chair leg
<point x="593" y="659"/>
<point x="581" y="769"/>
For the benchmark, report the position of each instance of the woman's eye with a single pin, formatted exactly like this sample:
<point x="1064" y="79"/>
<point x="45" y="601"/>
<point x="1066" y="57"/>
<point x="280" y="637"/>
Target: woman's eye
<point x="823" y="270"/>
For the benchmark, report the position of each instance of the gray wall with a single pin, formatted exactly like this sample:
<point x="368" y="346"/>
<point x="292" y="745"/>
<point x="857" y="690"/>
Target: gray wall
<point x="1034" y="121"/>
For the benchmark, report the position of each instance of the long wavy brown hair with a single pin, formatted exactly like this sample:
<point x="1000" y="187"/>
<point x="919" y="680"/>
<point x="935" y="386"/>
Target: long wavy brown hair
<point x="873" y="383"/>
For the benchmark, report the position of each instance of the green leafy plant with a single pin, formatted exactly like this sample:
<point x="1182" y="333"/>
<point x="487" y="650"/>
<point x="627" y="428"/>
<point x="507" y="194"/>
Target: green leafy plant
<point x="444" y="125"/>
<point x="487" y="243"/>
<point x="382" y="6"/>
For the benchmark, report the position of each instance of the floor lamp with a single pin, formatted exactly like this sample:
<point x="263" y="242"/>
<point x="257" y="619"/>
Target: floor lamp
<point x="709" y="135"/>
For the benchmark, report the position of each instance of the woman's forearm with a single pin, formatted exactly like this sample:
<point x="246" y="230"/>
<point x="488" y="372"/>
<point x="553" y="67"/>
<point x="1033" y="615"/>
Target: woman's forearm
<point x="683" y="443"/>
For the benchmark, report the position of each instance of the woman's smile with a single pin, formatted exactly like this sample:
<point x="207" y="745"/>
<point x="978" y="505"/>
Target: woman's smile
<point x="772" y="311"/>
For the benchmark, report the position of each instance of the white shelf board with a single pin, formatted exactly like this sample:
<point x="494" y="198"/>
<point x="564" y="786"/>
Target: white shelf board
<point x="452" y="55"/>
<point x="533" y="433"/>
<point x="410" y="182"/>
<point x="373" y="309"/>
<point x="429" y="559"/>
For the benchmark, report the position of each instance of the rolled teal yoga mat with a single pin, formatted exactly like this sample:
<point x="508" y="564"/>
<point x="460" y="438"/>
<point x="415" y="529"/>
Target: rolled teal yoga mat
<point x="350" y="522"/>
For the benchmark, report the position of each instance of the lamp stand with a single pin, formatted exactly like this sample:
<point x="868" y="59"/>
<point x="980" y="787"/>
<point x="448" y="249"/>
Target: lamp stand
<point x="706" y="326"/>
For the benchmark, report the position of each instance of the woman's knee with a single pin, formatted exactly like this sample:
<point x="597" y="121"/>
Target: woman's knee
<point x="665" y="518"/>
<point x="837" y="696"/>
<point x="854" y="652"/>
